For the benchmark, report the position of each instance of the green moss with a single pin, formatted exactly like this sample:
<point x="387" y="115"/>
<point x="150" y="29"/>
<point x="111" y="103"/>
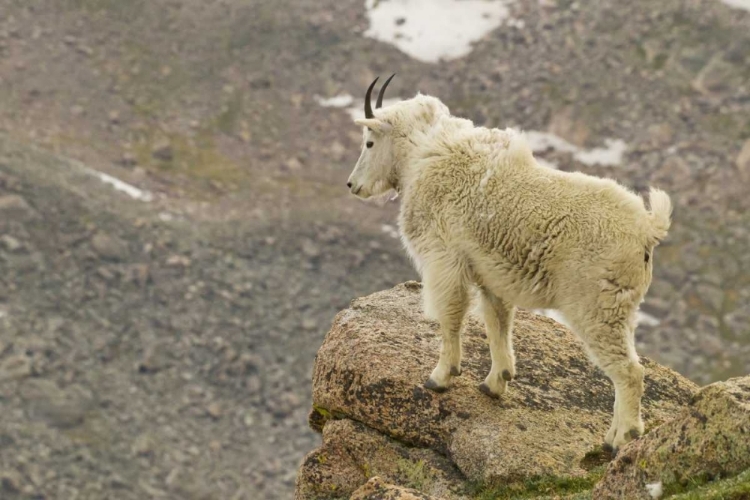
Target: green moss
<point x="735" y="488"/>
<point x="415" y="474"/>
<point x="540" y="487"/>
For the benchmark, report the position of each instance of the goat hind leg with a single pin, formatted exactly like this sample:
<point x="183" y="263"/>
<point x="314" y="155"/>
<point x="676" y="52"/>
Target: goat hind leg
<point x="498" y="320"/>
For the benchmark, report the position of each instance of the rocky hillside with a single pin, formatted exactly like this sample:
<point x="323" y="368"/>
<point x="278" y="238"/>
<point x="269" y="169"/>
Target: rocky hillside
<point x="542" y="438"/>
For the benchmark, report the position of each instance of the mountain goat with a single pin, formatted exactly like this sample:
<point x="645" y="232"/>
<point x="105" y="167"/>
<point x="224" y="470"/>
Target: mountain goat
<point x="478" y="211"/>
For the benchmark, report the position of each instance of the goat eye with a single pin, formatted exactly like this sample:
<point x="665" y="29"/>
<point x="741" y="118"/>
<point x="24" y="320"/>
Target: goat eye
<point x="369" y="144"/>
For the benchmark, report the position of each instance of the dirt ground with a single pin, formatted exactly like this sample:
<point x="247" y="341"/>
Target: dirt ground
<point x="163" y="348"/>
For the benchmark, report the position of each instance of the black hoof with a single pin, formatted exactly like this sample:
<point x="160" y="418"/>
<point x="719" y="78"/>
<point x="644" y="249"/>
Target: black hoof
<point x="455" y="371"/>
<point x="608" y="448"/>
<point x="506" y="376"/>
<point x="634" y="434"/>
<point x="485" y="389"/>
<point x="433" y="386"/>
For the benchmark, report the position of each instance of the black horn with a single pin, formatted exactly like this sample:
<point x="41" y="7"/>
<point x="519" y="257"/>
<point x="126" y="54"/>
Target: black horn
<point x="368" y="106"/>
<point x="379" y="104"/>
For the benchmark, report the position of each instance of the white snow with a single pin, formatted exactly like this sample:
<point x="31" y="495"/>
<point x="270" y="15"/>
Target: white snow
<point x="431" y="30"/>
<point x="339" y="101"/>
<point x="738" y="4"/>
<point x="357" y="111"/>
<point x="655" y="490"/>
<point x="389" y="230"/>
<point x="608" y="156"/>
<point x="119" y="185"/>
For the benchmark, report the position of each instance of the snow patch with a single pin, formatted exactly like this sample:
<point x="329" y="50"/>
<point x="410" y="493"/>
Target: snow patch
<point x="357" y="111"/>
<point x="738" y="4"/>
<point x="431" y="30"/>
<point x="339" y="101"/>
<point x="655" y="490"/>
<point x="121" y="186"/>
<point x="389" y="230"/>
<point x="608" y="156"/>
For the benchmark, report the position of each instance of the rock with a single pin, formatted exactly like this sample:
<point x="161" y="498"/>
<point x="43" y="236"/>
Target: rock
<point x="10" y="243"/>
<point x="163" y="150"/>
<point x="128" y="159"/>
<point x="718" y="76"/>
<point x="310" y="249"/>
<point x="109" y="247"/>
<point x="15" y="367"/>
<point x="63" y="408"/>
<point x="10" y="481"/>
<point x="709" y="439"/>
<point x="13" y="206"/>
<point x="661" y="134"/>
<point x="743" y="162"/>
<point x="352" y="452"/>
<point x="674" y="173"/>
<point x="376" y="489"/>
<point x="565" y="124"/>
<point x="374" y="361"/>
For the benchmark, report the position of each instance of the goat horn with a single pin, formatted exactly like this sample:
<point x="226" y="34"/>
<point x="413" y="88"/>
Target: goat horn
<point x="368" y="106"/>
<point x="379" y="104"/>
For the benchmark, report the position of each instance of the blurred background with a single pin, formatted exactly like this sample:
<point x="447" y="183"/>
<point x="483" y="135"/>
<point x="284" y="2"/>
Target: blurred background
<point x="176" y="235"/>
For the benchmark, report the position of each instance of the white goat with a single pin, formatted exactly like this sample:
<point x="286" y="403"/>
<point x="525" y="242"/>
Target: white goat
<point x="477" y="209"/>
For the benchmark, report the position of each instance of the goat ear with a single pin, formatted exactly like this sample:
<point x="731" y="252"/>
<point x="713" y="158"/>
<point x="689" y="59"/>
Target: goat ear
<point x="375" y="125"/>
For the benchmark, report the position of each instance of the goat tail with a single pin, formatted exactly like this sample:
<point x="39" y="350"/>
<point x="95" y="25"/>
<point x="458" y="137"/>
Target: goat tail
<point x="659" y="215"/>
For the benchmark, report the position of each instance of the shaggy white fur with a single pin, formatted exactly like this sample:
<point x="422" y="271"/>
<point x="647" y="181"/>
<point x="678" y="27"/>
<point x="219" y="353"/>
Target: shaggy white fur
<point x="478" y="211"/>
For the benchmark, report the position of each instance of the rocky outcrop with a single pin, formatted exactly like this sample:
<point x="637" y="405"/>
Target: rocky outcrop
<point x="371" y="406"/>
<point x="709" y="439"/>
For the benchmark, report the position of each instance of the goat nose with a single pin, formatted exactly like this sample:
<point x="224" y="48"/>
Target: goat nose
<point x="348" y="184"/>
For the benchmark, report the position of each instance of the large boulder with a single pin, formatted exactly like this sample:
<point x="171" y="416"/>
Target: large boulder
<point x="709" y="439"/>
<point x="380" y="351"/>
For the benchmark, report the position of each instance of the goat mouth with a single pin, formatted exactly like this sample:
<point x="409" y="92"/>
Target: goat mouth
<point x="358" y="190"/>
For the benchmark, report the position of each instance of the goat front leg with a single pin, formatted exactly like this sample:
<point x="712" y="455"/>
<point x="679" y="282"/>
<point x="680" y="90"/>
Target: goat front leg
<point x="498" y="320"/>
<point x="446" y="299"/>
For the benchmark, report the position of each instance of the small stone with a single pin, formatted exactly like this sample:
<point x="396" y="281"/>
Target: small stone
<point x="163" y="150"/>
<point x="400" y="21"/>
<point x="661" y="134"/>
<point x="128" y="159"/>
<point x="77" y="110"/>
<point x="63" y="408"/>
<point x="105" y="273"/>
<point x="15" y="367"/>
<point x="309" y="324"/>
<point x="178" y="261"/>
<point x="214" y="410"/>
<point x="310" y="249"/>
<point x="10" y="243"/>
<point x="717" y="76"/>
<point x="565" y="124"/>
<point x="10" y="481"/>
<point x="114" y="117"/>
<point x="13" y="206"/>
<point x="143" y="446"/>
<point x="215" y="446"/>
<point x="109" y="247"/>
<point x="293" y="164"/>
<point x="743" y="162"/>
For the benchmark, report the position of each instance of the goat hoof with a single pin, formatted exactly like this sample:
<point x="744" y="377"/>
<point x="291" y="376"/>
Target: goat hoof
<point x="485" y="389"/>
<point x="455" y="371"/>
<point x="634" y="434"/>
<point x="433" y="386"/>
<point x="606" y="447"/>
<point x="507" y="376"/>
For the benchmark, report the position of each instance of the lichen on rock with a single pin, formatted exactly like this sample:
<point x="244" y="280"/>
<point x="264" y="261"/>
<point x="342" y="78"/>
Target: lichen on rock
<point x="367" y="389"/>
